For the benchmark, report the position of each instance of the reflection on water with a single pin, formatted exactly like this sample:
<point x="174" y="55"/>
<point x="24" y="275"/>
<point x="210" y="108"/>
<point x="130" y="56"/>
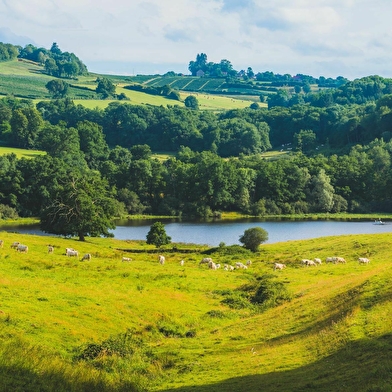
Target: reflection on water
<point x="214" y="232"/>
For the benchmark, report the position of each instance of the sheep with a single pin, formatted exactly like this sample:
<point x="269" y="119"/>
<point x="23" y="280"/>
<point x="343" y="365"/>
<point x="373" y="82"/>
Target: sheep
<point x="182" y="262"/>
<point x="15" y="244"/>
<point x="212" y="265"/>
<point x="206" y="260"/>
<point x="1" y="243"/>
<point x="50" y="249"/>
<point x="279" y="266"/>
<point x="249" y="262"/>
<point x="317" y="260"/>
<point x="87" y="256"/>
<point x="71" y="252"/>
<point x="126" y="259"/>
<point x="161" y="259"/>
<point x="22" y="248"/>
<point x="363" y="260"/>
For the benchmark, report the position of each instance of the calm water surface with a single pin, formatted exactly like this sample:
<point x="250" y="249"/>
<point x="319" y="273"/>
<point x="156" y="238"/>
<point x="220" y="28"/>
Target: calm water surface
<point x="229" y="232"/>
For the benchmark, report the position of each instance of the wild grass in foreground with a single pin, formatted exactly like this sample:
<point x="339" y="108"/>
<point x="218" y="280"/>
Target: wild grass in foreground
<point x="108" y="325"/>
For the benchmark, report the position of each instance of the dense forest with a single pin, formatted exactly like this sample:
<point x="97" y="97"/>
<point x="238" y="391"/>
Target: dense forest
<point x="216" y="166"/>
<point x="337" y="146"/>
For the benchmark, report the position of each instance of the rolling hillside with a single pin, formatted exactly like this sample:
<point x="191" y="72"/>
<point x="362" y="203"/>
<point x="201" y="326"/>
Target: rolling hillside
<point x="114" y="326"/>
<point x="25" y="79"/>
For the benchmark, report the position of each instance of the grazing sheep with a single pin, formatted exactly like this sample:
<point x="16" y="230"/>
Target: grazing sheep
<point x="279" y="266"/>
<point x="15" y="244"/>
<point x="50" y="249"/>
<point x="212" y="265"/>
<point x="22" y="248"/>
<point x="249" y="262"/>
<point x="238" y="264"/>
<point x="1" y="243"/>
<point x="182" y="262"/>
<point x="317" y="260"/>
<point x="161" y="259"/>
<point x="71" y="252"/>
<point x="206" y="260"/>
<point x="126" y="259"/>
<point x="87" y="256"/>
<point x="363" y="260"/>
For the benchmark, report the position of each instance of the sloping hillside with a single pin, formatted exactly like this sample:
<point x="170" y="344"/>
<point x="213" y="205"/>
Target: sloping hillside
<point x="26" y="79"/>
<point x="117" y="326"/>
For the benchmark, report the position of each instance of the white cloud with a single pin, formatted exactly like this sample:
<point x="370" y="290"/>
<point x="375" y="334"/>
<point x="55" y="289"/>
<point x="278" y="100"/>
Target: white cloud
<point x="324" y="37"/>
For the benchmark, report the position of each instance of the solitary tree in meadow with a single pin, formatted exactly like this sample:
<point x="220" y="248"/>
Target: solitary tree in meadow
<point x="253" y="237"/>
<point x="157" y="235"/>
<point x="191" y="102"/>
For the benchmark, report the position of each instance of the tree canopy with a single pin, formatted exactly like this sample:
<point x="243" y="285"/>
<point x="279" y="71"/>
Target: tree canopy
<point x="80" y="205"/>
<point x="253" y="237"/>
<point x="157" y="235"/>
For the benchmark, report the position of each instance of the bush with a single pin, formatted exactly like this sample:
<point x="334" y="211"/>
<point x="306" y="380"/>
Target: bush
<point x="7" y="212"/>
<point x="270" y="292"/>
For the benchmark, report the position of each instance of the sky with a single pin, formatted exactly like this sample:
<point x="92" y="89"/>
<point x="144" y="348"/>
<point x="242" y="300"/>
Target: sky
<point x="349" y="38"/>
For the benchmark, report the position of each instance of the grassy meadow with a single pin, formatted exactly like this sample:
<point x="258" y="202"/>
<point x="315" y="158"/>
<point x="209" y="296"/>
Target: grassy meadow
<point x="20" y="152"/>
<point x="108" y="325"/>
<point x="25" y="79"/>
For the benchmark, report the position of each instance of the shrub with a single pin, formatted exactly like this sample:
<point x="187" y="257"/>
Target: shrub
<point x="269" y="292"/>
<point x="7" y="212"/>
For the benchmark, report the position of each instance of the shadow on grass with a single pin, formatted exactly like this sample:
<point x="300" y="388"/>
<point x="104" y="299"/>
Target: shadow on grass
<point x="363" y="366"/>
<point x="17" y="379"/>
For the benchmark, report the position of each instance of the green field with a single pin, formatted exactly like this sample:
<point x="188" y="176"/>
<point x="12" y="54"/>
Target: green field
<point x="105" y="324"/>
<point x="25" y="79"/>
<point x="20" y="152"/>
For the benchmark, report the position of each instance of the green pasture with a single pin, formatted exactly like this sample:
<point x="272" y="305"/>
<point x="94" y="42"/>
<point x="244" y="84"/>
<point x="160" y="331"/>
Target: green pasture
<point x="109" y="325"/>
<point x="24" y="79"/>
<point x="20" y="152"/>
<point x="218" y="102"/>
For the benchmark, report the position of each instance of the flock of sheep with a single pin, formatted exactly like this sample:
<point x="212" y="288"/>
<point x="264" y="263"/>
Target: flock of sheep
<point x="317" y="261"/>
<point x="24" y="249"/>
<point x="207" y="260"/>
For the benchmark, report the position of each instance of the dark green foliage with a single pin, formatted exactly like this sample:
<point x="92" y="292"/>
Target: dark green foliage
<point x="262" y="293"/>
<point x="8" y="52"/>
<point x="191" y="102"/>
<point x="157" y="235"/>
<point x="58" y="88"/>
<point x="7" y="212"/>
<point x="105" y="88"/>
<point x="253" y="237"/>
<point x="81" y="204"/>
<point x="268" y="292"/>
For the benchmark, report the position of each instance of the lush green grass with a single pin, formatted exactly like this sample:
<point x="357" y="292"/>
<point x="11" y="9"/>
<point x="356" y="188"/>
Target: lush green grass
<point x="166" y="328"/>
<point x="25" y="79"/>
<point x="20" y="152"/>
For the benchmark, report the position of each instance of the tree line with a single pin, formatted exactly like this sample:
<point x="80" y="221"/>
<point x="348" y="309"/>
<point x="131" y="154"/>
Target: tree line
<point x="56" y="63"/>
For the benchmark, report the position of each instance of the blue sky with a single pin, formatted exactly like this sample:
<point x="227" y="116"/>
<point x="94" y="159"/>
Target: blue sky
<point x="350" y="38"/>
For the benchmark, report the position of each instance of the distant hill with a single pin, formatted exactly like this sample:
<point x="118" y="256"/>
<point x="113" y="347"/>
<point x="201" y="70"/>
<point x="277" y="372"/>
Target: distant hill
<point x="27" y="79"/>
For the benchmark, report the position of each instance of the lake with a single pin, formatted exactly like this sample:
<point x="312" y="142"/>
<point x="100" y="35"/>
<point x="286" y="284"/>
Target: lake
<point x="229" y="231"/>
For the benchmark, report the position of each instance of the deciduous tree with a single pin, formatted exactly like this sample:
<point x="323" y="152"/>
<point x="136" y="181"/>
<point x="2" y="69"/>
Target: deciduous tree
<point x="253" y="237"/>
<point x="157" y="235"/>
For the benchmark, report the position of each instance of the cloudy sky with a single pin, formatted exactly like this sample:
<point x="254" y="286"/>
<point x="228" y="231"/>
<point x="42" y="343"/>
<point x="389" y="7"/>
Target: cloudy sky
<point x="350" y="38"/>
